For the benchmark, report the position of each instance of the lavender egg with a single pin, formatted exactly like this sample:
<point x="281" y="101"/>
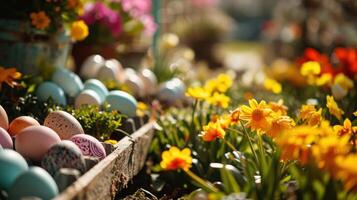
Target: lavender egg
<point x="64" y="154"/>
<point x="89" y="145"/>
<point x="5" y="139"/>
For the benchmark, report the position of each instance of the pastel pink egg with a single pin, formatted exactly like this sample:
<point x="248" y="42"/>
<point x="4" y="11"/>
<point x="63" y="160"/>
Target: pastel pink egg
<point x="89" y="145"/>
<point x="4" y="120"/>
<point x="34" y="141"/>
<point x="5" y="139"/>
<point x="20" y="123"/>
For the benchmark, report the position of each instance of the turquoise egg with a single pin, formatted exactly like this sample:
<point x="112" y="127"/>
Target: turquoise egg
<point x="12" y="164"/>
<point x="48" y="89"/>
<point x="35" y="182"/>
<point x="98" y="87"/>
<point x="70" y="82"/>
<point x="123" y="102"/>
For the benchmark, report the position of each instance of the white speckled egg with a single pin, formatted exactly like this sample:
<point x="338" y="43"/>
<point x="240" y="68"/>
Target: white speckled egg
<point x="70" y="82"/>
<point x="35" y="182"/>
<point x="51" y="90"/>
<point x="64" y="124"/>
<point x="5" y="139"/>
<point x="89" y="145"/>
<point x="91" y="66"/>
<point x="133" y="81"/>
<point x="123" y="102"/>
<point x="12" y="164"/>
<point x="4" y="121"/>
<point x="64" y="154"/>
<point x="34" y="141"/>
<point x="150" y="81"/>
<point x="98" y="87"/>
<point x="87" y="97"/>
<point x="110" y="71"/>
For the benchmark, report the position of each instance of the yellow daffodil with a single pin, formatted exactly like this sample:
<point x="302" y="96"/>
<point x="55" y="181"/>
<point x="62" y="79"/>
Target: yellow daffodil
<point x="212" y="131"/>
<point x="40" y="20"/>
<point x="346" y="129"/>
<point x="9" y="76"/>
<point x="310" y="115"/>
<point x="343" y="81"/>
<point x="174" y="159"/>
<point x="324" y="79"/>
<point x="333" y="107"/>
<point x="348" y="171"/>
<point x="305" y="111"/>
<point x="310" y="68"/>
<point x="272" y="85"/>
<point x="220" y="100"/>
<point x="278" y="107"/>
<point x="79" y="30"/>
<point x="257" y="116"/>
<point x="280" y="124"/>
<point x="197" y="93"/>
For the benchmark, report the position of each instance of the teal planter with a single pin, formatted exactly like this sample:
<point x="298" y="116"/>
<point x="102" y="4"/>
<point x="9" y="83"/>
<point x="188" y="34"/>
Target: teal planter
<point x="29" y="50"/>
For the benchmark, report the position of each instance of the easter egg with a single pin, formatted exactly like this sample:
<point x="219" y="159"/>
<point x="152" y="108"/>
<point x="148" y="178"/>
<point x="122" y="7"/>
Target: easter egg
<point x="133" y="81"/>
<point x="98" y="87"/>
<point x="5" y="139"/>
<point x="123" y="102"/>
<point x="89" y="145"/>
<point x="34" y="141"/>
<point x="49" y="89"/>
<point x="110" y="71"/>
<point x="87" y="97"/>
<point x="64" y="154"/>
<point x="18" y="124"/>
<point x="171" y="90"/>
<point x="12" y="164"/>
<point x="64" y="124"/>
<point x="35" y="182"/>
<point x="91" y="66"/>
<point x="4" y="121"/>
<point x="150" y="81"/>
<point x="70" y="82"/>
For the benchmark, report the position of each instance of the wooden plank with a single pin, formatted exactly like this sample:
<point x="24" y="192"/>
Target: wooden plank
<point x="111" y="174"/>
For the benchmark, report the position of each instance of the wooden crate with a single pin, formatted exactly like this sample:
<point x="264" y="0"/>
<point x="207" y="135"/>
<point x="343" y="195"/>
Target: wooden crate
<point x="111" y="174"/>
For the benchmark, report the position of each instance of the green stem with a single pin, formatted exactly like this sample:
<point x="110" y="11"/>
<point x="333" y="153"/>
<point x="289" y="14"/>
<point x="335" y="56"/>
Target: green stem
<point x="250" y="143"/>
<point x="229" y="144"/>
<point x="193" y="115"/>
<point x="202" y="182"/>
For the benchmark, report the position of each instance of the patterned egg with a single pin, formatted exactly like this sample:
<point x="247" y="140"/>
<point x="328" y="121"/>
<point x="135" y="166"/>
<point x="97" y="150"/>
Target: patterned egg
<point x="20" y="123"/>
<point x="5" y="139"/>
<point x="89" y="145"/>
<point x="70" y="82"/>
<point x="12" y="164"/>
<point x="64" y="124"/>
<point x="150" y="81"/>
<point x="49" y="89"/>
<point x="98" y="87"/>
<point x="87" y="97"/>
<point x="35" y="182"/>
<point x="123" y="102"/>
<point x="34" y="141"/>
<point x="91" y="66"/>
<point x="4" y="121"/>
<point x="64" y="154"/>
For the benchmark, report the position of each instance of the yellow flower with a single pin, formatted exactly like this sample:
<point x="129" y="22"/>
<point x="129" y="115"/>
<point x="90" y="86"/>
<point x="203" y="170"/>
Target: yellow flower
<point x="113" y="142"/>
<point x="310" y="68"/>
<point x="197" y="93"/>
<point x="235" y="116"/>
<point x="272" y="85"/>
<point x="9" y="76"/>
<point x="174" y="159"/>
<point x="315" y="118"/>
<point x="346" y="129"/>
<point x="333" y="107"/>
<point x="306" y="110"/>
<point x="355" y="113"/>
<point x="40" y="20"/>
<point x="141" y="109"/>
<point x="343" y="81"/>
<point x="309" y="115"/>
<point x="221" y="84"/>
<point x="212" y="131"/>
<point x="280" y="124"/>
<point x="257" y="116"/>
<point x="278" y="107"/>
<point x="324" y="79"/>
<point x="219" y="100"/>
<point x="348" y="171"/>
<point x="79" y="30"/>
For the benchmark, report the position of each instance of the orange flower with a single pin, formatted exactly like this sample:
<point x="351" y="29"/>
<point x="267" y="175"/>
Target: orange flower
<point x="309" y="114"/>
<point x="306" y="110"/>
<point x="257" y="116"/>
<point x="348" y="171"/>
<point x="40" y="20"/>
<point x="280" y="124"/>
<point x="212" y="131"/>
<point x="175" y="159"/>
<point x="278" y="107"/>
<point x="8" y="76"/>
<point x="235" y="116"/>
<point x="346" y="129"/>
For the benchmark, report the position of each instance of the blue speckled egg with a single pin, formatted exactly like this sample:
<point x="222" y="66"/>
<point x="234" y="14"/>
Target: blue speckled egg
<point x="49" y="89"/>
<point x="12" y="164"/>
<point x="35" y="182"/>
<point x="70" y="82"/>
<point x="64" y="154"/>
<point x="87" y="97"/>
<point x="98" y="87"/>
<point x="123" y="102"/>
